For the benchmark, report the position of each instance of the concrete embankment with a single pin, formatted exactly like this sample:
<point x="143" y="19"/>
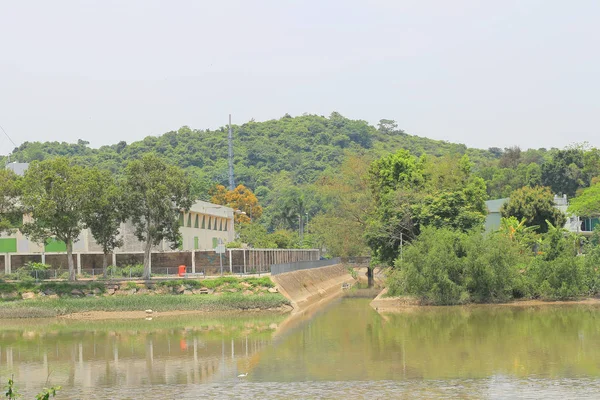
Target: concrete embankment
<point x="308" y="287"/>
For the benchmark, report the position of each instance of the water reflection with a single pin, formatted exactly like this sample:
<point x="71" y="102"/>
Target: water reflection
<point x="340" y="351"/>
<point x="349" y="341"/>
<point x="132" y="354"/>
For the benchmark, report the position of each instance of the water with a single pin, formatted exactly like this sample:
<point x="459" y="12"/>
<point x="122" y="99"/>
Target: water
<point x="346" y="350"/>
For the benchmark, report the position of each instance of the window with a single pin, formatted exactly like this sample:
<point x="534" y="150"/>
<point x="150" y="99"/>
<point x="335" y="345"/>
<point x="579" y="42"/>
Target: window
<point x="221" y="226"/>
<point x="181" y="219"/>
<point x="209" y="223"/>
<point x="204" y="222"/>
<point x="226" y="221"/>
<point x="196" y="222"/>
<point x="189" y="224"/>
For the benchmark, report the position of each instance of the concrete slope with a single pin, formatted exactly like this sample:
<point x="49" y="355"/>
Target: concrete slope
<point x="310" y="286"/>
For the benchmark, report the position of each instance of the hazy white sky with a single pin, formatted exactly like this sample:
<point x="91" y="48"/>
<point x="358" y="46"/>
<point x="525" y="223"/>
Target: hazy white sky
<point x="484" y="73"/>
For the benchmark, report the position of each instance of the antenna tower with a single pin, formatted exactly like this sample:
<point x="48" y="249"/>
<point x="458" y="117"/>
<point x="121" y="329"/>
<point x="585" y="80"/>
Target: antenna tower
<point x="230" y="139"/>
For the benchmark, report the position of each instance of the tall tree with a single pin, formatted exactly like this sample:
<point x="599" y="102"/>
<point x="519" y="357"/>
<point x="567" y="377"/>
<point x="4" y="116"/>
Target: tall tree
<point x="155" y="195"/>
<point x="104" y="212"/>
<point x="10" y="215"/>
<point x="536" y="206"/>
<point x="55" y="195"/>
<point x="563" y="172"/>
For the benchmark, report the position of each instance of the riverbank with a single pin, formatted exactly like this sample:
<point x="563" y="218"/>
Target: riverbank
<point x="401" y="304"/>
<point x="103" y="300"/>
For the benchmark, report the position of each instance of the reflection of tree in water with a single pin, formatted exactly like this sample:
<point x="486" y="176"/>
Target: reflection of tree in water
<point x="351" y="341"/>
<point x="134" y="354"/>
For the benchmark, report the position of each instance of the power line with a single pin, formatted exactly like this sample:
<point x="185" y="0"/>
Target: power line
<point x="14" y="144"/>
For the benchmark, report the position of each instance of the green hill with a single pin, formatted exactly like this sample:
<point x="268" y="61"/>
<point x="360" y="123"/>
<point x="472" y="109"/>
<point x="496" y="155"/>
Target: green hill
<point x="303" y="146"/>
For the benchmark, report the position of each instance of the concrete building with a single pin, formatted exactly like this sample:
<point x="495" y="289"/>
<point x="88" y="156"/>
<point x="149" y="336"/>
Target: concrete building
<point x="201" y="228"/>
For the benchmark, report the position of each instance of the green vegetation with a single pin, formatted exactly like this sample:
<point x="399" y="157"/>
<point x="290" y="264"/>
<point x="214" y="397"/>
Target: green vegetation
<point x="445" y="266"/>
<point x="535" y="206"/>
<point x="154" y="195"/>
<point x="43" y="307"/>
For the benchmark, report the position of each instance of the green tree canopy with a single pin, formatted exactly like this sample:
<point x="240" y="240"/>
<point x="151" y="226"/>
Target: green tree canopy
<point x="55" y="195"/>
<point x="155" y="195"/>
<point x="10" y="215"/>
<point x="104" y="212"/>
<point x="536" y="206"/>
<point x="587" y="204"/>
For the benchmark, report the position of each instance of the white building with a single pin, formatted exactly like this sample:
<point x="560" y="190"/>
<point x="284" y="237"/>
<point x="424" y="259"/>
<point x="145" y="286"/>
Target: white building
<point x="201" y="228"/>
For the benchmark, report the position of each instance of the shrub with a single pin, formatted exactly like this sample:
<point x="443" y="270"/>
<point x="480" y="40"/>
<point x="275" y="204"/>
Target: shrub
<point x="449" y="267"/>
<point x="132" y="271"/>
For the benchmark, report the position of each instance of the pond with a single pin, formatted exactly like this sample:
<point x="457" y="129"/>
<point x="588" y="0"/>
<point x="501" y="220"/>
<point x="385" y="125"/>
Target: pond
<point x="346" y="350"/>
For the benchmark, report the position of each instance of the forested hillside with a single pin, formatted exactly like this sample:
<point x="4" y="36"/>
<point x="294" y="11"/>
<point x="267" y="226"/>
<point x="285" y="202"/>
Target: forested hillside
<point x="284" y="158"/>
<point x="304" y="146"/>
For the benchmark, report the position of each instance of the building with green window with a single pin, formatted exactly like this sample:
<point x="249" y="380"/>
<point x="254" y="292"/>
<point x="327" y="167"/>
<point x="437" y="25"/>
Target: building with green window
<point x="201" y="229"/>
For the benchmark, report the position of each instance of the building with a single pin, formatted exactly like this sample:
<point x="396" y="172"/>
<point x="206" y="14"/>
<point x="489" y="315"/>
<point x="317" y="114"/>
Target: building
<point x="202" y="227"/>
<point x="575" y="223"/>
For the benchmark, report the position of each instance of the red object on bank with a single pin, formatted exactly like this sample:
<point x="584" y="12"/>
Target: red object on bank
<point x="182" y="270"/>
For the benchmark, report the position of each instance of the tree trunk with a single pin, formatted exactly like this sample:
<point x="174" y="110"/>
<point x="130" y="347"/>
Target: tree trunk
<point x="72" y="276"/>
<point x="147" y="256"/>
<point x="104" y="265"/>
<point x="370" y="276"/>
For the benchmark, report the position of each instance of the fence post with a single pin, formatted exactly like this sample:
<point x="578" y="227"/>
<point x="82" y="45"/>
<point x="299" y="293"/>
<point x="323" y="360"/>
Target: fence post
<point x="79" y="263"/>
<point x="114" y="259"/>
<point x="193" y="261"/>
<point x="244" y="252"/>
<point x="230" y="263"/>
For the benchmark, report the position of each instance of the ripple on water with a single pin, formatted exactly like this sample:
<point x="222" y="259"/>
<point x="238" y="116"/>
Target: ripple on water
<point x="497" y="387"/>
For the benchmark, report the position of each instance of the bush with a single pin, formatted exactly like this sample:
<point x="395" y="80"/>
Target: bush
<point x="450" y="267"/>
<point x="132" y="271"/>
<point x="447" y="267"/>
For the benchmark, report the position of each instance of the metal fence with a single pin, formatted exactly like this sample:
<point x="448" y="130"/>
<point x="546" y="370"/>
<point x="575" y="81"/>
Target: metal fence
<point x="277" y="269"/>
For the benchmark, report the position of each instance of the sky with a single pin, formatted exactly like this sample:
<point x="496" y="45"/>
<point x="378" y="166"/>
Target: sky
<point x="483" y="73"/>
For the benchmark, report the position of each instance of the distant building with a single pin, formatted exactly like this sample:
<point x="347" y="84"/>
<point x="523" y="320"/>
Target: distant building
<point x="18" y="168"/>
<point x="575" y="223"/>
<point x="202" y="227"/>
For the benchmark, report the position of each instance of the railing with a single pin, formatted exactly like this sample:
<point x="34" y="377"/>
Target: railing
<point x="277" y="269"/>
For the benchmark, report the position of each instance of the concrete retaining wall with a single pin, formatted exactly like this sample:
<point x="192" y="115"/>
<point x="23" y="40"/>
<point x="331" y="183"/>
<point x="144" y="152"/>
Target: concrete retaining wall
<point x="307" y="287"/>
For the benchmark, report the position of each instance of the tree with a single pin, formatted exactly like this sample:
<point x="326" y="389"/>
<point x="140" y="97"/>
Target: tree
<point x="536" y="205"/>
<point x="587" y="204"/>
<point x="104" y="212"/>
<point x="10" y="215"/>
<point x="563" y="172"/>
<point x="55" y="195"/>
<point x="349" y="201"/>
<point x="155" y="195"/>
<point x="241" y="198"/>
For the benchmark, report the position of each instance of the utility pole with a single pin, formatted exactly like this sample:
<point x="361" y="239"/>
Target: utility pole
<point x="230" y="139"/>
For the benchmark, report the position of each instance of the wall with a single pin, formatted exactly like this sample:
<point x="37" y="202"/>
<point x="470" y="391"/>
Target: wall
<point x="277" y="269"/>
<point x="307" y="287"/>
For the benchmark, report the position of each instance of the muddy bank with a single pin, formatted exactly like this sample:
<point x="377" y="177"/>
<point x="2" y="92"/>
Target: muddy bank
<point x="110" y="315"/>
<point x="401" y="304"/>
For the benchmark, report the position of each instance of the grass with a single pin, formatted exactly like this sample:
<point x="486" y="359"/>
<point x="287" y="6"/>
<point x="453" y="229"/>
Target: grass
<point x="43" y="307"/>
<point x="59" y="288"/>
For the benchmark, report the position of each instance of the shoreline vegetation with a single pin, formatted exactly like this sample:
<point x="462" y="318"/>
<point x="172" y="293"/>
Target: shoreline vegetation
<point x="385" y="303"/>
<point x="98" y="300"/>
